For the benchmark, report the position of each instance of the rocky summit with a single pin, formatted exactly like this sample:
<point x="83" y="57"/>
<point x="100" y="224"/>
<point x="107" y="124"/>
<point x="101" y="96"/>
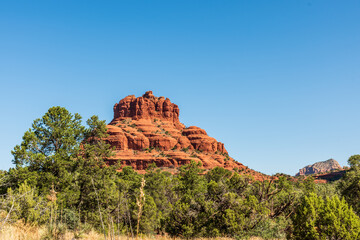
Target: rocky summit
<point x="320" y="167"/>
<point x="147" y="130"/>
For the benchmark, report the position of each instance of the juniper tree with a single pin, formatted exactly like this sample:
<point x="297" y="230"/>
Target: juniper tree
<point x="332" y="218"/>
<point x="350" y="184"/>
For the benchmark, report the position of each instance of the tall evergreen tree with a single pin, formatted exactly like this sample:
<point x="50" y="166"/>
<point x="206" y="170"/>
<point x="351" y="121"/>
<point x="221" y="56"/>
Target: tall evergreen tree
<point x="59" y="152"/>
<point x="48" y="148"/>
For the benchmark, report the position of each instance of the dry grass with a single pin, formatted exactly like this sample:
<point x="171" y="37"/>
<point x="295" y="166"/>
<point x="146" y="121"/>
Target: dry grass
<point x="19" y="231"/>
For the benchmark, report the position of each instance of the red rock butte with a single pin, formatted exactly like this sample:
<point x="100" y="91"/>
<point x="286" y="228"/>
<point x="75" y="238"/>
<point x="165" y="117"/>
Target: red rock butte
<point x="147" y="130"/>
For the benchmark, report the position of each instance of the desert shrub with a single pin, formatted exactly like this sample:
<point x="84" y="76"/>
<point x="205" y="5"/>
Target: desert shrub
<point x="70" y="218"/>
<point x="270" y="229"/>
<point x="24" y="203"/>
<point x="332" y="218"/>
<point x="185" y="149"/>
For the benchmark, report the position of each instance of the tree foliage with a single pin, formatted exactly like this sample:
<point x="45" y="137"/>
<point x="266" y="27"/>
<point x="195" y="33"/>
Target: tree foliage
<point x="332" y="218"/>
<point x="61" y="178"/>
<point x="350" y="184"/>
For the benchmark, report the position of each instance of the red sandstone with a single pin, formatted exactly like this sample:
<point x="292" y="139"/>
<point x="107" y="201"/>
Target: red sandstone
<point x="147" y="130"/>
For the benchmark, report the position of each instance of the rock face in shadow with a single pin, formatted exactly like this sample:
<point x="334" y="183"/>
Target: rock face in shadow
<point x="147" y="130"/>
<point x="320" y="167"/>
<point x="330" y="176"/>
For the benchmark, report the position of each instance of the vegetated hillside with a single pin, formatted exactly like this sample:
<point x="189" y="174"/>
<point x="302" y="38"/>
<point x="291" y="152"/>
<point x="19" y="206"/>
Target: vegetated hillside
<point x="147" y="130"/>
<point x="320" y="167"/>
<point x="61" y="183"/>
<point x="329" y="176"/>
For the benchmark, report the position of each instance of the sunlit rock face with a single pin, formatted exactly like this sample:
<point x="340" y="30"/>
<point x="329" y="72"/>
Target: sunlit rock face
<point x="147" y="130"/>
<point x="320" y="167"/>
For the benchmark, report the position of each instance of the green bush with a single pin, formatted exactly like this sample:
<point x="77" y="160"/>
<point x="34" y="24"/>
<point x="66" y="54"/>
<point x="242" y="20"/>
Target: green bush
<point x="70" y="218"/>
<point x="329" y="219"/>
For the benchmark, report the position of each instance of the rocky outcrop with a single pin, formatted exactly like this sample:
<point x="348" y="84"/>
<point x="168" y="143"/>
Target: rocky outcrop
<point x="147" y="107"/>
<point x="320" y="167"/>
<point x="147" y="130"/>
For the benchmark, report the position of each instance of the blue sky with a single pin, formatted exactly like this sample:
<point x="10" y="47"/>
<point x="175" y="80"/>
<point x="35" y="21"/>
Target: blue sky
<point x="277" y="81"/>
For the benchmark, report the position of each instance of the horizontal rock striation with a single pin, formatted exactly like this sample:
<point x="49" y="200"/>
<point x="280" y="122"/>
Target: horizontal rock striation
<point x="147" y="107"/>
<point x="147" y="130"/>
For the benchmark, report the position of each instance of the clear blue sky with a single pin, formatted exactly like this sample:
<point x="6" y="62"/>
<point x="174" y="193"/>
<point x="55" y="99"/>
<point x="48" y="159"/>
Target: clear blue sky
<point x="277" y="81"/>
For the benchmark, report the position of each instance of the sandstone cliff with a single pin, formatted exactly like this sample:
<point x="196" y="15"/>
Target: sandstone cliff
<point x="320" y="167"/>
<point x="147" y="130"/>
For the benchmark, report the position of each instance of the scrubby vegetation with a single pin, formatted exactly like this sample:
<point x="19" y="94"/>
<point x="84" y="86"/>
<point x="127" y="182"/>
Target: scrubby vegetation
<point x="61" y="184"/>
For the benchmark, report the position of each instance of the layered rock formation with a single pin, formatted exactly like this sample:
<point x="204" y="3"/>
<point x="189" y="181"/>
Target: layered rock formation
<point x="147" y="107"/>
<point x="147" y="130"/>
<point x="320" y="167"/>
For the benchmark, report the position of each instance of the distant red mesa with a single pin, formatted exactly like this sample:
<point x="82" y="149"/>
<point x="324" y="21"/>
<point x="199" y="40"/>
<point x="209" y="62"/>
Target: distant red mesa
<point x="147" y="130"/>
